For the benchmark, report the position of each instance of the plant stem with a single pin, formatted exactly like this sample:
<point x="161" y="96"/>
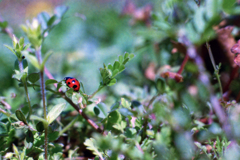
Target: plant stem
<point x="68" y="126"/>
<point x="183" y="64"/>
<point x="42" y="85"/>
<point x="216" y="70"/>
<point x="20" y="63"/>
<point x="101" y="87"/>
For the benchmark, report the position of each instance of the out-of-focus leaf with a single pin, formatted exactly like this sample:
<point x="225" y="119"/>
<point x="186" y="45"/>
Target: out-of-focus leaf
<point x="55" y="112"/>
<point x="21" y="117"/>
<point x="33" y="77"/>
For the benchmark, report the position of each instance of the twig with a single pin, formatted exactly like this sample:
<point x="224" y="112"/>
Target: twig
<point x="216" y="70"/>
<point x="42" y="85"/>
<point x="6" y="104"/>
<point x="183" y="64"/>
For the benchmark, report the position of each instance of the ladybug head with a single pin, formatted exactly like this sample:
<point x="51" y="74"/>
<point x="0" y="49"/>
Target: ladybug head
<point x="66" y="78"/>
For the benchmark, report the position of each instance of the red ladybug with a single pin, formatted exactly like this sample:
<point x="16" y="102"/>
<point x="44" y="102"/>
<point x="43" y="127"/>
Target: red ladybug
<point x="72" y="83"/>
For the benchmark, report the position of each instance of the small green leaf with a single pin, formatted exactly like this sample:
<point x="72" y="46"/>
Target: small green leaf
<point x="59" y="85"/>
<point x="33" y="117"/>
<point x="121" y="68"/>
<point x="120" y="126"/>
<point x="11" y="49"/>
<point x="116" y="65"/>
<point x="120" y="58"/>
<point x="125" y="103"/>
<point x="33" y="77"/>
<point x="81" y="84"/>
<point x="21" y="117"/>
<point x="69" y="93"/>
<point x="76" y="98"/>
<point x="115" y="72"/>
<point x="15" y="150"/>
<point x="114" y="117"/>
<point x="112" y="82"/>
<point x="161" y="85"/>
<point x="40" y="127"/>
<point x="29" y="136"/>
<point x="26" y="46"/>
<point x="53" y="136"/>
<point x="131" y="56"/>
<point x="4" y="24"/>
<point x="51" y="20"/>
<point x="125" y="61"/>
<point x="126" y="56"/>
<point x="21" y="42"/>
<point x="50" y="81"/>
<point x="33" y="60"/>
<point x="3" y="129"/>
<point x="55" y="112"/>
<point x="110" y="67"/>
<point x="48" y="54"/>
<point x="100" y="110"/>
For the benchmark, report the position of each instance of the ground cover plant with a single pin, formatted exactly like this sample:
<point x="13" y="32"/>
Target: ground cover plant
<point x="120" y="80"/>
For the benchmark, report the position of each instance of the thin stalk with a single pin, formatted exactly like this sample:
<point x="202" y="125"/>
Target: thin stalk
<point x="216" y="70"/>
<point x="91" y="96"/>
<point x="20" y="63"/>
<point x="42" y="85"/>
<point x="68" y="126"/>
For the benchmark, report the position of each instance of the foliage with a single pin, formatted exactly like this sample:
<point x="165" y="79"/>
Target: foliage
<point x="171" y="98"/>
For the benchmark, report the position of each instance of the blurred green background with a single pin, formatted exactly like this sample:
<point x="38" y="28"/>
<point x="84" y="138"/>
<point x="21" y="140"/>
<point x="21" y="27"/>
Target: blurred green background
<point x="92" y="33"/>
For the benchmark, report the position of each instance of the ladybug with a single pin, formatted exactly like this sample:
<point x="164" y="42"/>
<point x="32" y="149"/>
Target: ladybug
<point x="72" y="83"/>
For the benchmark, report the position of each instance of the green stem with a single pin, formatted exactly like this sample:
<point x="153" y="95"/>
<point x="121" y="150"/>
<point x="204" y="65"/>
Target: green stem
<point x="68" y="126"/>
<point x="42" y="85"/>
<point x="20" y="63"/>
<point x="216" y="70"/>
<point x="101" y="87"/>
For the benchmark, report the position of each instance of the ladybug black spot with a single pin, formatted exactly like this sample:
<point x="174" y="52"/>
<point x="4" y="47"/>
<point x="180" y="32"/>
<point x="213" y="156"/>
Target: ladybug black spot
<point x="69" y="83"/>
<point x="75" y="86"/>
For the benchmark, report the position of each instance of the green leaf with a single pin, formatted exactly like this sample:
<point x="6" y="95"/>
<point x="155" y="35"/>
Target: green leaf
<point x="125" y="61"/>
<point x="33" y="77"/>
<point x="51" y="20"/>
<point x="11" y="49"/>
<point x="29" y="137"/>
<point x="55" y="112"/>
<point x="112" y="82"/>
<point x="5" y="113"/>
<point x="115" y="72"/>
<point x="81" y="84"/>
<point x="3" y="129"/>
<point x="40" y="127"/>
<point x="15" y="150"/>
<point x="126" y="56"/>
<point x="120" y="59"/>
<point x="116" y="65"/>
<point x="76" y="98"/>
<point x="33" y="60"/>
<point x="120" y="126"/>
<point x="121" y="68"/>
<point x="161" y="85"/>
<point x="59" y="85"/>
<point x="21" y="117"/>
<point x="26" y="46"/>
<point x="53" y="136"/>
<point x="125" y="103"/>
<point x="100" y="110"/>
<point x="91" y="145"/>
<point x="69" y="93"/>
<point x="33" y="117"/>
<point x="50" y="81"/>
<point x="131" y="56"/>
<point x="110" y="67"/>
<point x="48" y="54"/>
<point x="114" y="117"/>
<point x="21" y="42"/>
<point x="3" y="24"/>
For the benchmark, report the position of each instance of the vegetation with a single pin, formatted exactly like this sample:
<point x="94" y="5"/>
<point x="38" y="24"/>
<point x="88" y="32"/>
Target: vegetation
<point x="168" y="88"/>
